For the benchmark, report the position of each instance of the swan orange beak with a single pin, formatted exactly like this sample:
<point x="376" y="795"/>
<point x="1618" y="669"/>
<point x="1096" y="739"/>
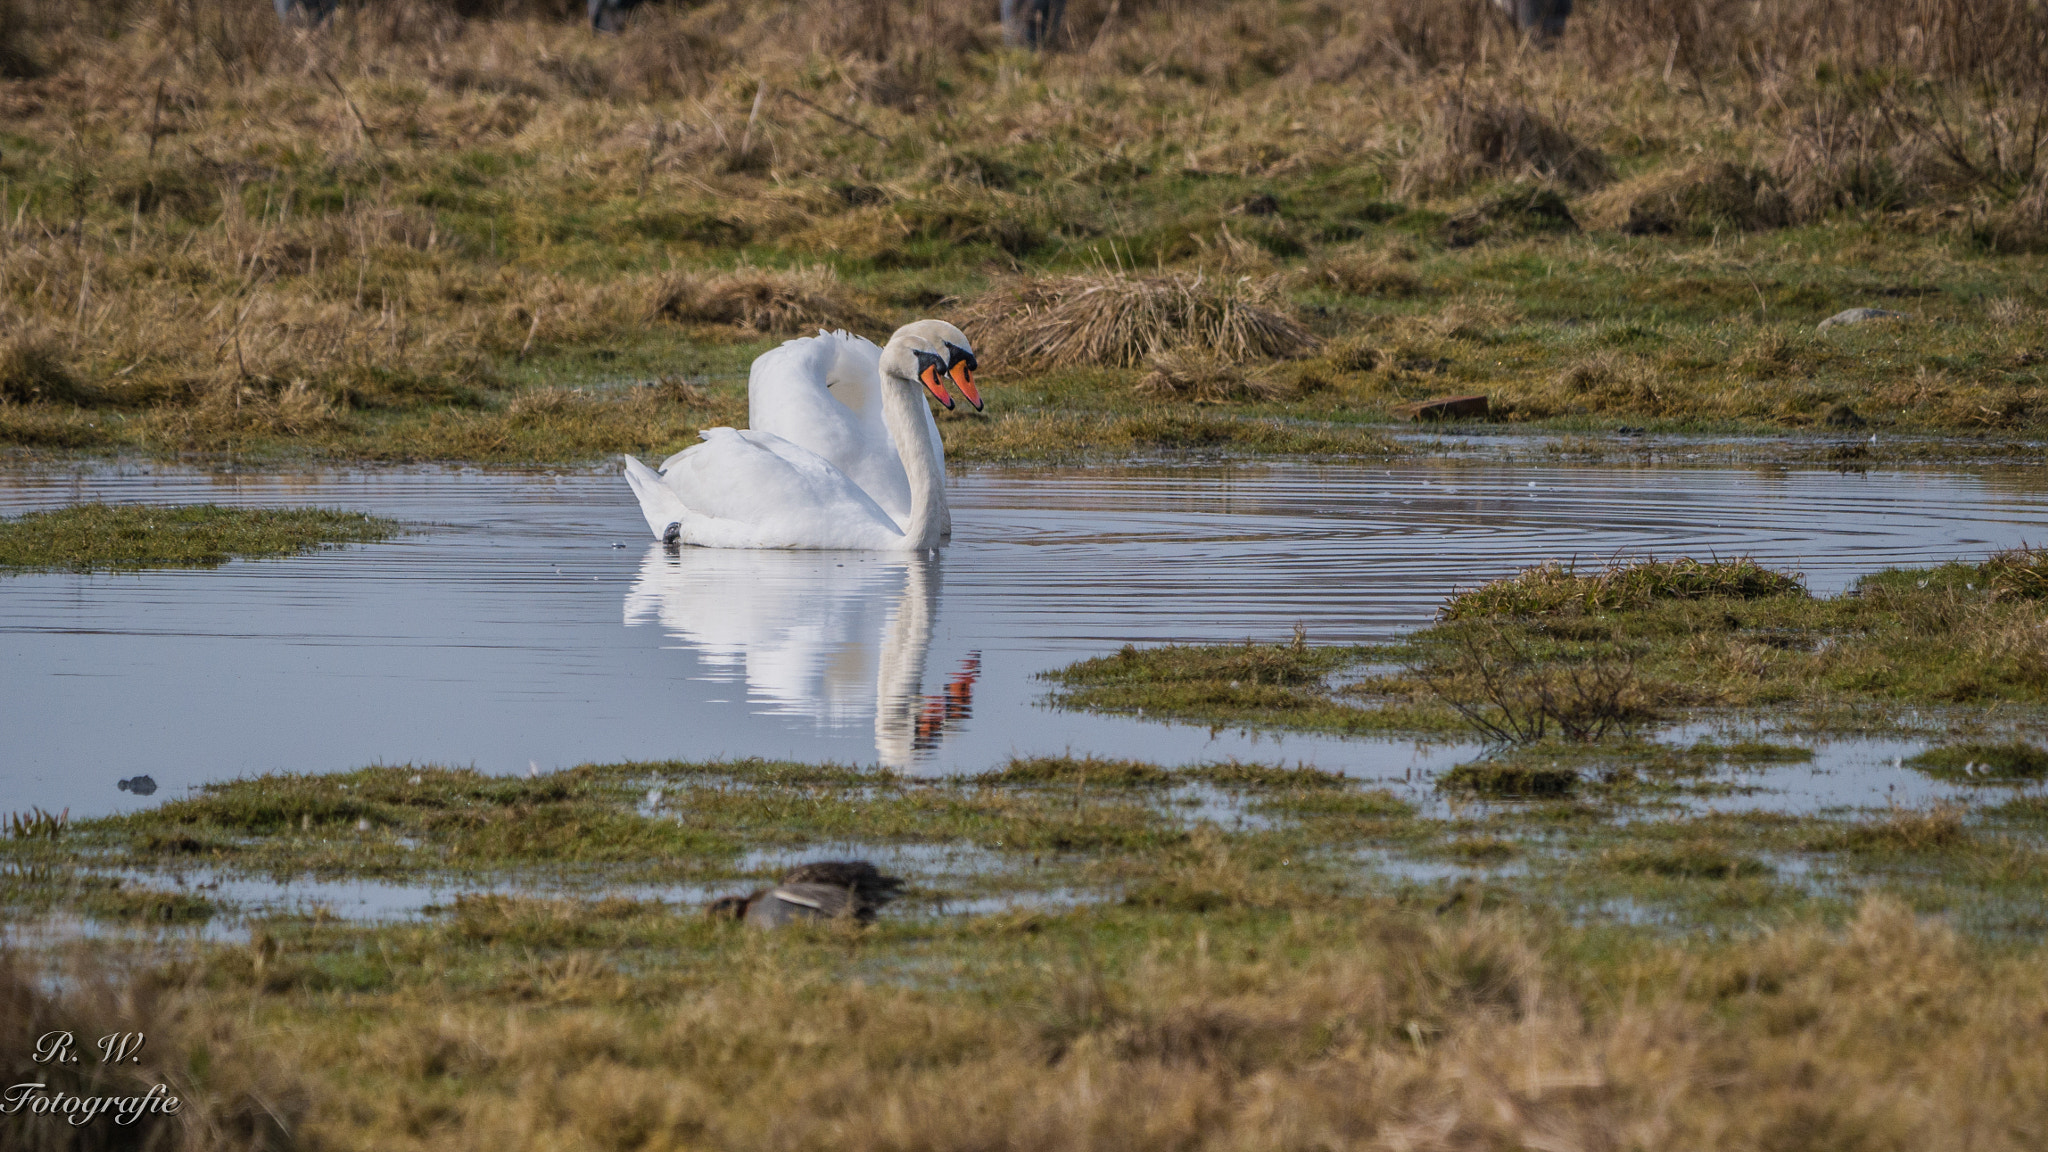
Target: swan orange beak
<point x="930" y="379"/>
<point x="963" y="379"/>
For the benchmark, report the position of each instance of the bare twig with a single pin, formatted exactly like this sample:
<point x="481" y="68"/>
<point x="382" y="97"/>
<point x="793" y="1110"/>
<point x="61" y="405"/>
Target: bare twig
<point x="353" y="110"/>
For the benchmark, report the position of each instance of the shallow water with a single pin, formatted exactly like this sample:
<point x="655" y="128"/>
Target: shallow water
<point x="532" y="623"/>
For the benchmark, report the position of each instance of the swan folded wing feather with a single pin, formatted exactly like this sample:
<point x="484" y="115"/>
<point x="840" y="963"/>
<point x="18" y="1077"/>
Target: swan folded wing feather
<point x="752" y="489"/>
<point x="823" y="393"/>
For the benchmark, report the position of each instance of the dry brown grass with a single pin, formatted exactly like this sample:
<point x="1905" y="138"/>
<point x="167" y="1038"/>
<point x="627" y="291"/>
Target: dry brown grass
<point x="1477" y="137"/>
<point x="1363" y="1026"/>
<point x="231" y="1098"/>
<point x="1205" y="378"/>
<point x="1369" y="274"/>
<point x="1695" y="199"/>
<point x="1121" y="321"/>
<point x="762" y="300"/>
<point x="32" y="370"/>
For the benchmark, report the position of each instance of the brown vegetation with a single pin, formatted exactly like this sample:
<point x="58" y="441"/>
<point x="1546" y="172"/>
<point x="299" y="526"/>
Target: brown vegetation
<point x="217" y="232"/>
<point x="1121" y="321"/>
<point x="1205" y="378"/>
<point x="230" y="1096"/>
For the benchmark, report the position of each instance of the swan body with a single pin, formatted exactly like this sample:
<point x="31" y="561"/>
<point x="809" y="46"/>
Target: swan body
<point x="758" y="489"/>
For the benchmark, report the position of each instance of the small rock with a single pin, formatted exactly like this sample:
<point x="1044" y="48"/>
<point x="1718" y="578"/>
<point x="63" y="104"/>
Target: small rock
<point x="1445" y="408"/>
<point x="140" y="785"/>
<point x="1861" y="316"/>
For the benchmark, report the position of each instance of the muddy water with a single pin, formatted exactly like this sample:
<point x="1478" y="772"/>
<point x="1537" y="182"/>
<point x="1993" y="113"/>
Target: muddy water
<point x="530" y="622"/>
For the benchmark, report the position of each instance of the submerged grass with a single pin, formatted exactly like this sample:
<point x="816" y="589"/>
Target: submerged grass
<point x="85" y="537"/>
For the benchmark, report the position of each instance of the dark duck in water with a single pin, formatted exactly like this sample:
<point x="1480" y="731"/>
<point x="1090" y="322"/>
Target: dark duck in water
<point x="822" y="890"/>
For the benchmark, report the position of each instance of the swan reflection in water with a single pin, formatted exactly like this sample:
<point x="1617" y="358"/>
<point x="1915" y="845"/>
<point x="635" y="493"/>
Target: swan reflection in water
<point x="835" y="636"/>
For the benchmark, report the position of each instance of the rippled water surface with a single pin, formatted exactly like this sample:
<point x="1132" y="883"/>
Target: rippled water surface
<point x="513" y="629"/>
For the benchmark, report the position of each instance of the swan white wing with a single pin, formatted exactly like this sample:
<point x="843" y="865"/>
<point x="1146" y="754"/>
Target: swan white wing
<point x="823" y="393"/>
<point x="756" y="490"/>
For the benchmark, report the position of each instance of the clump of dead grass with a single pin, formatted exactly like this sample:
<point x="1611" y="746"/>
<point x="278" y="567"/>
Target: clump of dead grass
<point x="32" y="370"/>
<point x="1205" y="378"/>
<point x="1695" y="199"/>
<point x="2019" y="573"/>
<point x="1121" y="321"/>
<point x="1476" y="137"/>
<point x="761" y="300"/>
<point x="1932" y="829"/>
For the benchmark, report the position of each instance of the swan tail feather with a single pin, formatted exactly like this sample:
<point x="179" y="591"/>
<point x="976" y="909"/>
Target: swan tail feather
<point x="658" y="502"/>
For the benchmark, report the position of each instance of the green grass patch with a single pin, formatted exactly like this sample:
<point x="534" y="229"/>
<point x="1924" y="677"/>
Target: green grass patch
<point x="1696" y="860"/>
<point x="87" y="537"/>
<point x="1559" y="589"/>
<point x="1080" y="772"/>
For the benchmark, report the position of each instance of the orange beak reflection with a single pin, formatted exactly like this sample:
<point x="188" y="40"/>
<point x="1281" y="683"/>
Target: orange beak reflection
<point x="963" y="378"/>
<point x="930" y="379"/>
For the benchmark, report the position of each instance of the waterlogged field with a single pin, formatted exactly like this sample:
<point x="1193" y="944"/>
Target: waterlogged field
<point x="1684" y="829"/>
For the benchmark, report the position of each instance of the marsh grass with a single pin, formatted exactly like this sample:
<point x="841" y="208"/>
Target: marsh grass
<point x="1510" y="779"/>
<point x="787" y="303"/>
<point x="1212" y="970"/>
<point x="1938" y="828"/>
<point x="363" y="242"/>
<point x="1703" y="859"/>
<point x="1529" y="658"/>
<point x="1116" y="320"/>
<point x="2021" y="572"/>
<point x="2013" y="762"/>
<point x="85" y="537"/>
<point x="1554" y="589"/>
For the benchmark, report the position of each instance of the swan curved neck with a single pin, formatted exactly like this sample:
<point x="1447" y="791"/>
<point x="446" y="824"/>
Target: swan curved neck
<point x="903" y="411"/>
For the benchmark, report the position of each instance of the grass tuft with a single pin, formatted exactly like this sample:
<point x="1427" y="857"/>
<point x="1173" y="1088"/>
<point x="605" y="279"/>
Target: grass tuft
<point x="1204" y="378"/>
<point x="1754" y="752"/>
<point x="32" y="371"/>
<point x="1080" y="772"/>
<point x="762" y="300"/>
<point x="1479" y="137"/>
<point x="1558" y="589"/>
<point x="1509" y="780"/>
<point x="1934" y="829"/>
<point x="2013" y="762"/>
<point x="1121" y="321"/>
<point x="85" y="537"/>
<point x="2020" y="573"/>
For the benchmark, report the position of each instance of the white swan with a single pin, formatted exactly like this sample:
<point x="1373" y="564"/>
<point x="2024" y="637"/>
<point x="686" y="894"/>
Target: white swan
<point x="824" y="393"/>
<point x="755" y="489"/>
